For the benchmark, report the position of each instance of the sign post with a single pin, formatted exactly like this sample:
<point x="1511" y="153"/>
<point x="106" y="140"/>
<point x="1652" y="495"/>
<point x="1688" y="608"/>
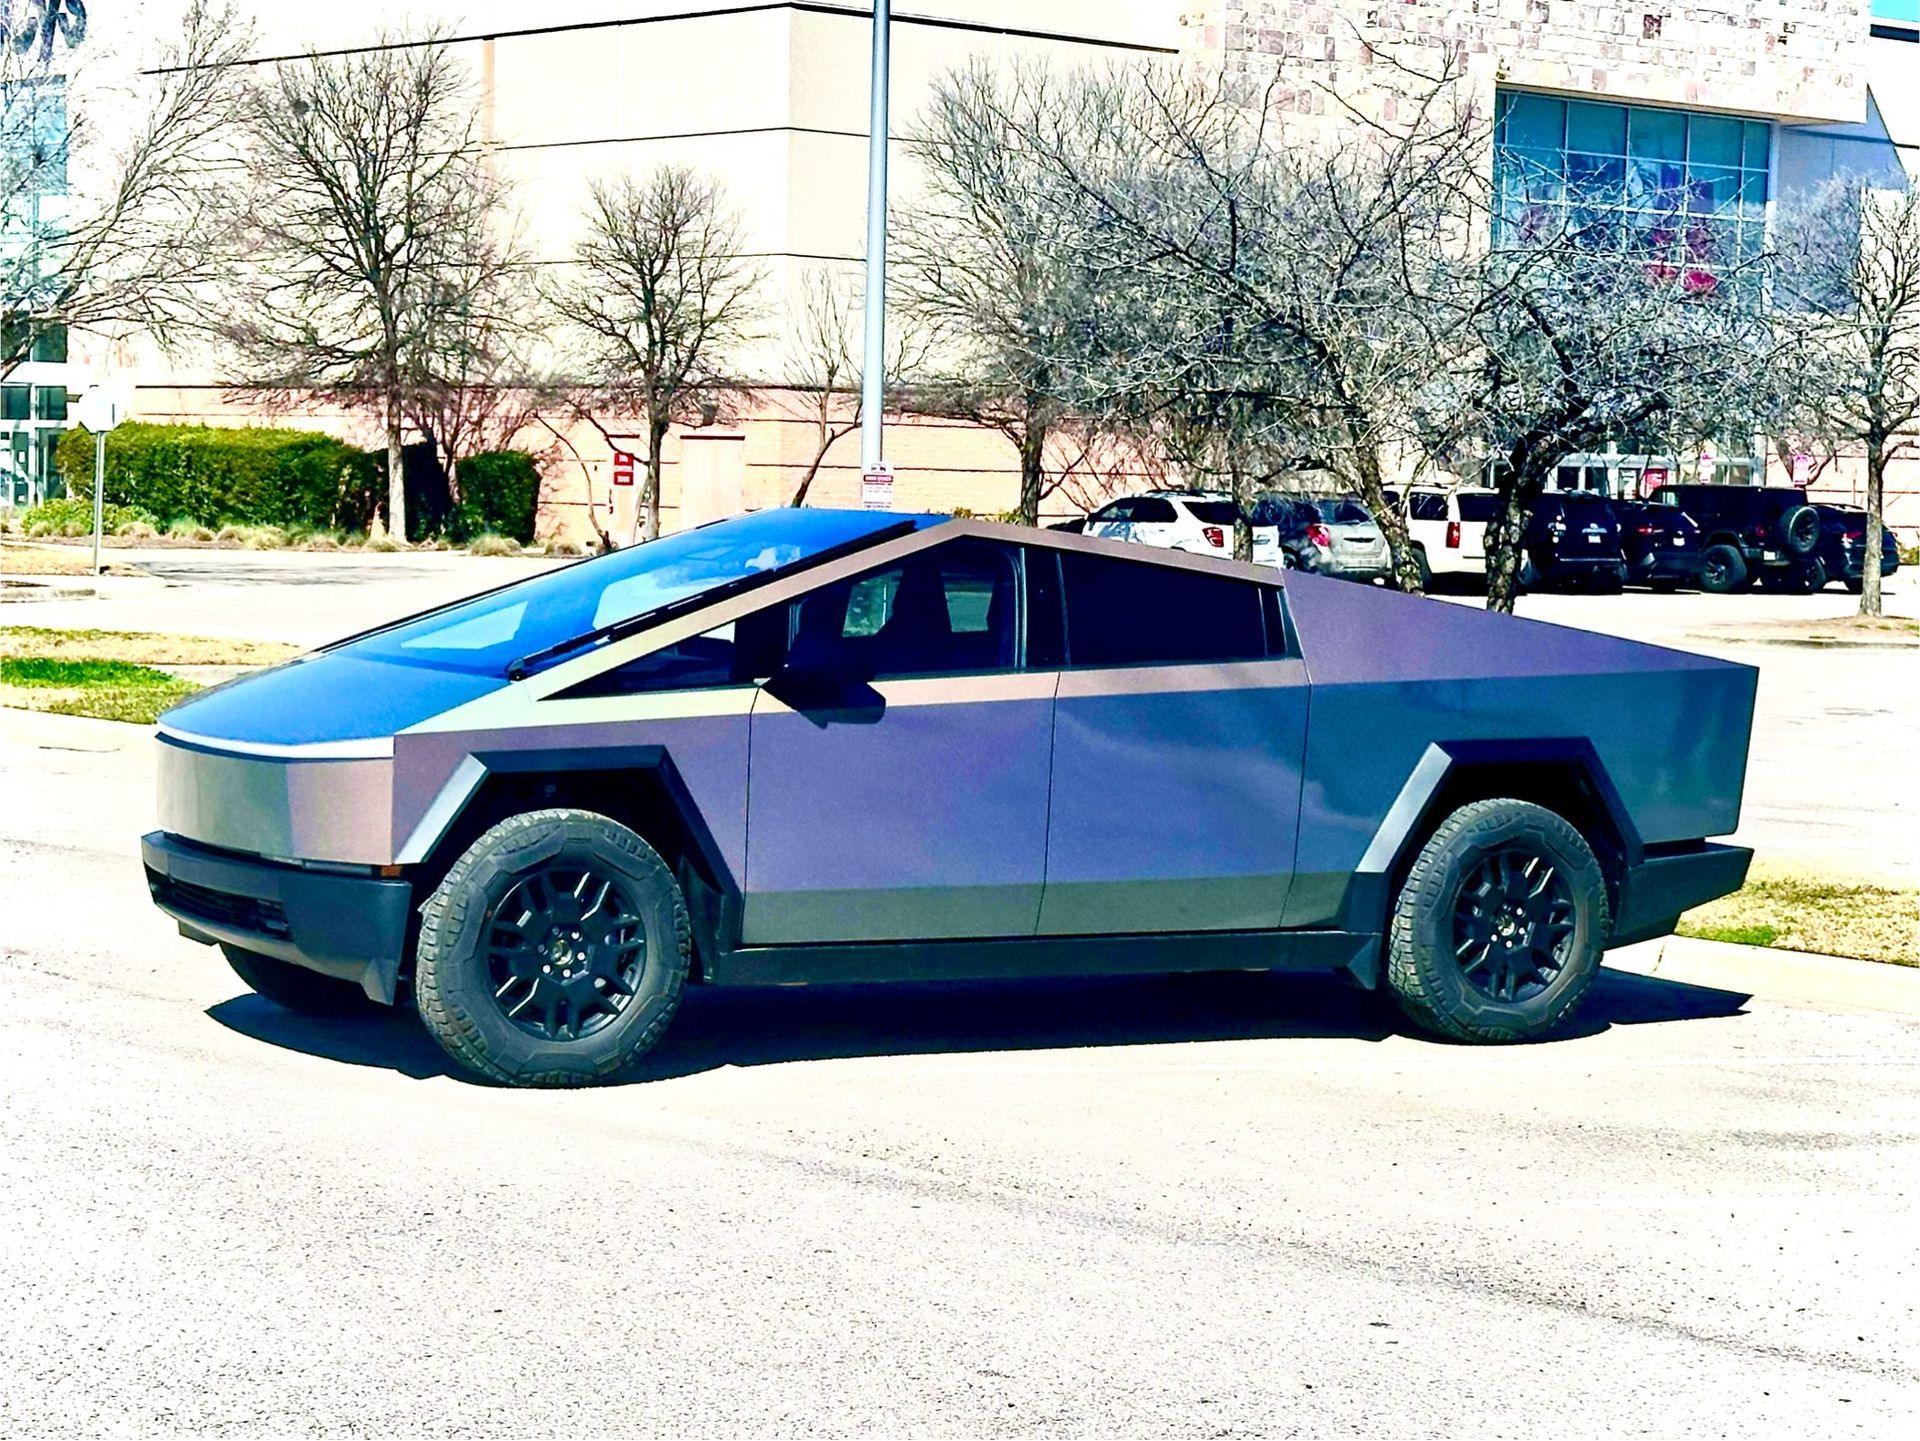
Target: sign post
<point x="102" y="408"/>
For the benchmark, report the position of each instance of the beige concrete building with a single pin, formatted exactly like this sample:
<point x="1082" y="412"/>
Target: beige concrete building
<point x="1736" y="99"/>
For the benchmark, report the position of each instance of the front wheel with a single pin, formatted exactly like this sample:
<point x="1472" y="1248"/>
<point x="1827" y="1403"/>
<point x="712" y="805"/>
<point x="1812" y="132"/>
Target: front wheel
<point x="554" y="952"/>
<point x="1499" y="926"/>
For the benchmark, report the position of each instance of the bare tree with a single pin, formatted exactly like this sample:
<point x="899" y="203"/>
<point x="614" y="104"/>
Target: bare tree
<point x="368" y="230"/>
<point x="1583" y="335"/>
<point x="1849" y="295"/>
<point x="988" y="264"/>
<point x="1258" y="301"/>
<point x="662" y="299"/>
<point x="823" y="361"/>
<point x="111" y="235"/>
<point x="475" y="387"/>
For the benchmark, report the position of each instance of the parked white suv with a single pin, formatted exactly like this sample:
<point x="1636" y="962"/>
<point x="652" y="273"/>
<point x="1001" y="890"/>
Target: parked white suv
<point x="1449" y="527"/>
<point x="1198" y="521"/>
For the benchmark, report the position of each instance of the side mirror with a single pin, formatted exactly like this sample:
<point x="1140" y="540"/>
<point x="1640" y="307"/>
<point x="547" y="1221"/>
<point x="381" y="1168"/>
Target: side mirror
<point x="826" y="692"/>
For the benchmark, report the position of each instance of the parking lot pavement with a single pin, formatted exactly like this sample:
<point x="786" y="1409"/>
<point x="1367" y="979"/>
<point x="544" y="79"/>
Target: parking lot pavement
<point x="1212" y="1205"/>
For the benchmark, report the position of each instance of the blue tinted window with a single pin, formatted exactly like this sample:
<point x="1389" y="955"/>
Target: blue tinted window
<point x="486" y="634"/>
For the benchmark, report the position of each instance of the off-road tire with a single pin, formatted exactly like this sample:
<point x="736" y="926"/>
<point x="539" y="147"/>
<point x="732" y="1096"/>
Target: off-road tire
<point x="1856" y="583"/>
<point x="1722" y="570"/>
<point x="295" y="988"/>
<point x="1423" y="970"/>
<point x="1814" y="573"/>
<point x="1800" y="530"/>
<point x="451" y="985"/>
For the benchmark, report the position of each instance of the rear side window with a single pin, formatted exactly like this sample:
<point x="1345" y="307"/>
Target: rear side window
<point x="1152" y="510"/>
<point x="1213" y="512"/>
<point x="1122" y="613"/>
<point x="1424" y="505"/>
<point x="1478" y="509"/>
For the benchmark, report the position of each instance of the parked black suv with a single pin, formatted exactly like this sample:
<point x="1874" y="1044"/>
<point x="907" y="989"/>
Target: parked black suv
<point x="1749" y="531"/>
<point x="1573" y="538"/>
<point x="1660" y="544"/>
<point x="1843" y="549"/>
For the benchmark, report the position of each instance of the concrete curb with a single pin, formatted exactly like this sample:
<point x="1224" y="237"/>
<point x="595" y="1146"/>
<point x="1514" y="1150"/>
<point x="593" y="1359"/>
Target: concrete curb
<point x="47" y="730"/>
<point x="23" y="591"/>
<point x="1802" y="642"/>
<point x="1835" y="983"/>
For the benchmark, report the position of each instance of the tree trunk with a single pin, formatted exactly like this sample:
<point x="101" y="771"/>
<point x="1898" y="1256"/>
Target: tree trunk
<point x="1033" y="472"/>
<point x="1242" y="521"/>
<point x="650" y="492"/>
<point x="1504" y="534"/>
<point x="1876" y="526"/>
<point x="396" y="473"/>
<point x="1392" y="523"/>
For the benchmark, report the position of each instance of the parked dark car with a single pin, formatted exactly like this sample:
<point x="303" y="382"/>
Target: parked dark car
<point x="1572" y="539"/>
<point x="809" y="746"/>
<point x="1660" y="544"/>
<point x="1330" y="535"/>
<point x="1748" y="532"/>
<point x="1843" y="549"/>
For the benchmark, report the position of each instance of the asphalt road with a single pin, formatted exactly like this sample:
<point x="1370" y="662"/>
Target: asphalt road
<point x="1204" y="1206"/>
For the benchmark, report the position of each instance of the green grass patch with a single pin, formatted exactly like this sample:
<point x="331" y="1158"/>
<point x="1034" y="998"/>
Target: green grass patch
<point x="111" y="674"/>
<point x="1828" y="916"/>
<point x="42" y="671"/>
<point x="103" y="689"/>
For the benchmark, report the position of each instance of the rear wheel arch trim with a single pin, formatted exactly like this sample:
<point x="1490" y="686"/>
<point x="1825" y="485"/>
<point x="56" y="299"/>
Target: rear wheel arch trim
<point x="1409" y="819"/>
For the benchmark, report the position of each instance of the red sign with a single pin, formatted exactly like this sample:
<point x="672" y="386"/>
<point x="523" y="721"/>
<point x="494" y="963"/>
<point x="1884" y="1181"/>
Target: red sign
<point x="1653" y="477"/>
<point x="622" y="468"/>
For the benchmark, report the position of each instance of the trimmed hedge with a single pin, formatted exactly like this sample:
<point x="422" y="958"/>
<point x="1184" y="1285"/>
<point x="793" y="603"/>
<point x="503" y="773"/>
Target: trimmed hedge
<point x="499" y="494"/>
<point x="231" y="476"/>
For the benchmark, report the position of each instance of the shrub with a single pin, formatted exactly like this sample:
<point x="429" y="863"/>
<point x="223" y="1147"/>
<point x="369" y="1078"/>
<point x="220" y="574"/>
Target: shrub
<point x="499" y="493"/>
<point x="383" y="543"/>
<point x="487" y="543"/>
<point x="136" y="530"/>
<point x="181" y="528"/>
<point x="72" y="516"/>
<point x="226" y="475"/>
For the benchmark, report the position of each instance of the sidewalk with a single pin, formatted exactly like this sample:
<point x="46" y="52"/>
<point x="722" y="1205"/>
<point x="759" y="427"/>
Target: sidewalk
<point x="1787" y="977"/>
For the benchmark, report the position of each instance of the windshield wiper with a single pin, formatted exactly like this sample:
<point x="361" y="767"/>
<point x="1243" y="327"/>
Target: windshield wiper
<point x="630" y="625"/>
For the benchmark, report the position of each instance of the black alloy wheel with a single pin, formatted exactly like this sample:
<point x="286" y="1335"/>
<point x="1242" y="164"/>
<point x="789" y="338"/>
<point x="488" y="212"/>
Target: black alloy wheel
<point x="1497" y="931"/>
<point x="1722" y="570"/>
<point x="566" y="948"/>
<point x="1513" y="924"/>
<point x="554" y="952"/>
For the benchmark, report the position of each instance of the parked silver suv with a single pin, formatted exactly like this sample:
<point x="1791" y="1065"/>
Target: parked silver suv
<point x="1334" y="536"/>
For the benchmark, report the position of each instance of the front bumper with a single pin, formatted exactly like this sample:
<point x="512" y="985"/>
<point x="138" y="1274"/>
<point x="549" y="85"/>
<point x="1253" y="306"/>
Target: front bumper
<point x="348" y="926"/>
<point x="1654" y="893"/>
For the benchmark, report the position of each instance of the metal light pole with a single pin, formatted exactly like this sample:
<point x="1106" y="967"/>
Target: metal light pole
<point x="99" y="491"/>
<point x="873" y="359"/>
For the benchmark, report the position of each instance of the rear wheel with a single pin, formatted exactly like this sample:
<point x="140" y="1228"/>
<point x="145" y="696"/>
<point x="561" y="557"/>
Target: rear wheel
<point x="1722" y="569"/>
<point x="1499" y="926"/>
<point x="554" y="952"/>
<point x="295" y="988"/>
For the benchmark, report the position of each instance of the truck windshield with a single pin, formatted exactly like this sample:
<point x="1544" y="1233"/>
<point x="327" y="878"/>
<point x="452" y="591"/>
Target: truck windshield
<point x="483" y="636"/>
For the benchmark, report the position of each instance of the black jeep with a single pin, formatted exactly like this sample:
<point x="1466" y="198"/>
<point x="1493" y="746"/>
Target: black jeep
<point x="1750" y="532"/>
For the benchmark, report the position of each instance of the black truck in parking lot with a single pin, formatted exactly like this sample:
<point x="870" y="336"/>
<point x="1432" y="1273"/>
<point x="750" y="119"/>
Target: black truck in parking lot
<point x="1749" y="532"/>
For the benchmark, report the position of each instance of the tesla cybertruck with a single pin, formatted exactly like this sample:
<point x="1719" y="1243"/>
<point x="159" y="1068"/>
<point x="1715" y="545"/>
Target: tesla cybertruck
<point x="828" y="746"/>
